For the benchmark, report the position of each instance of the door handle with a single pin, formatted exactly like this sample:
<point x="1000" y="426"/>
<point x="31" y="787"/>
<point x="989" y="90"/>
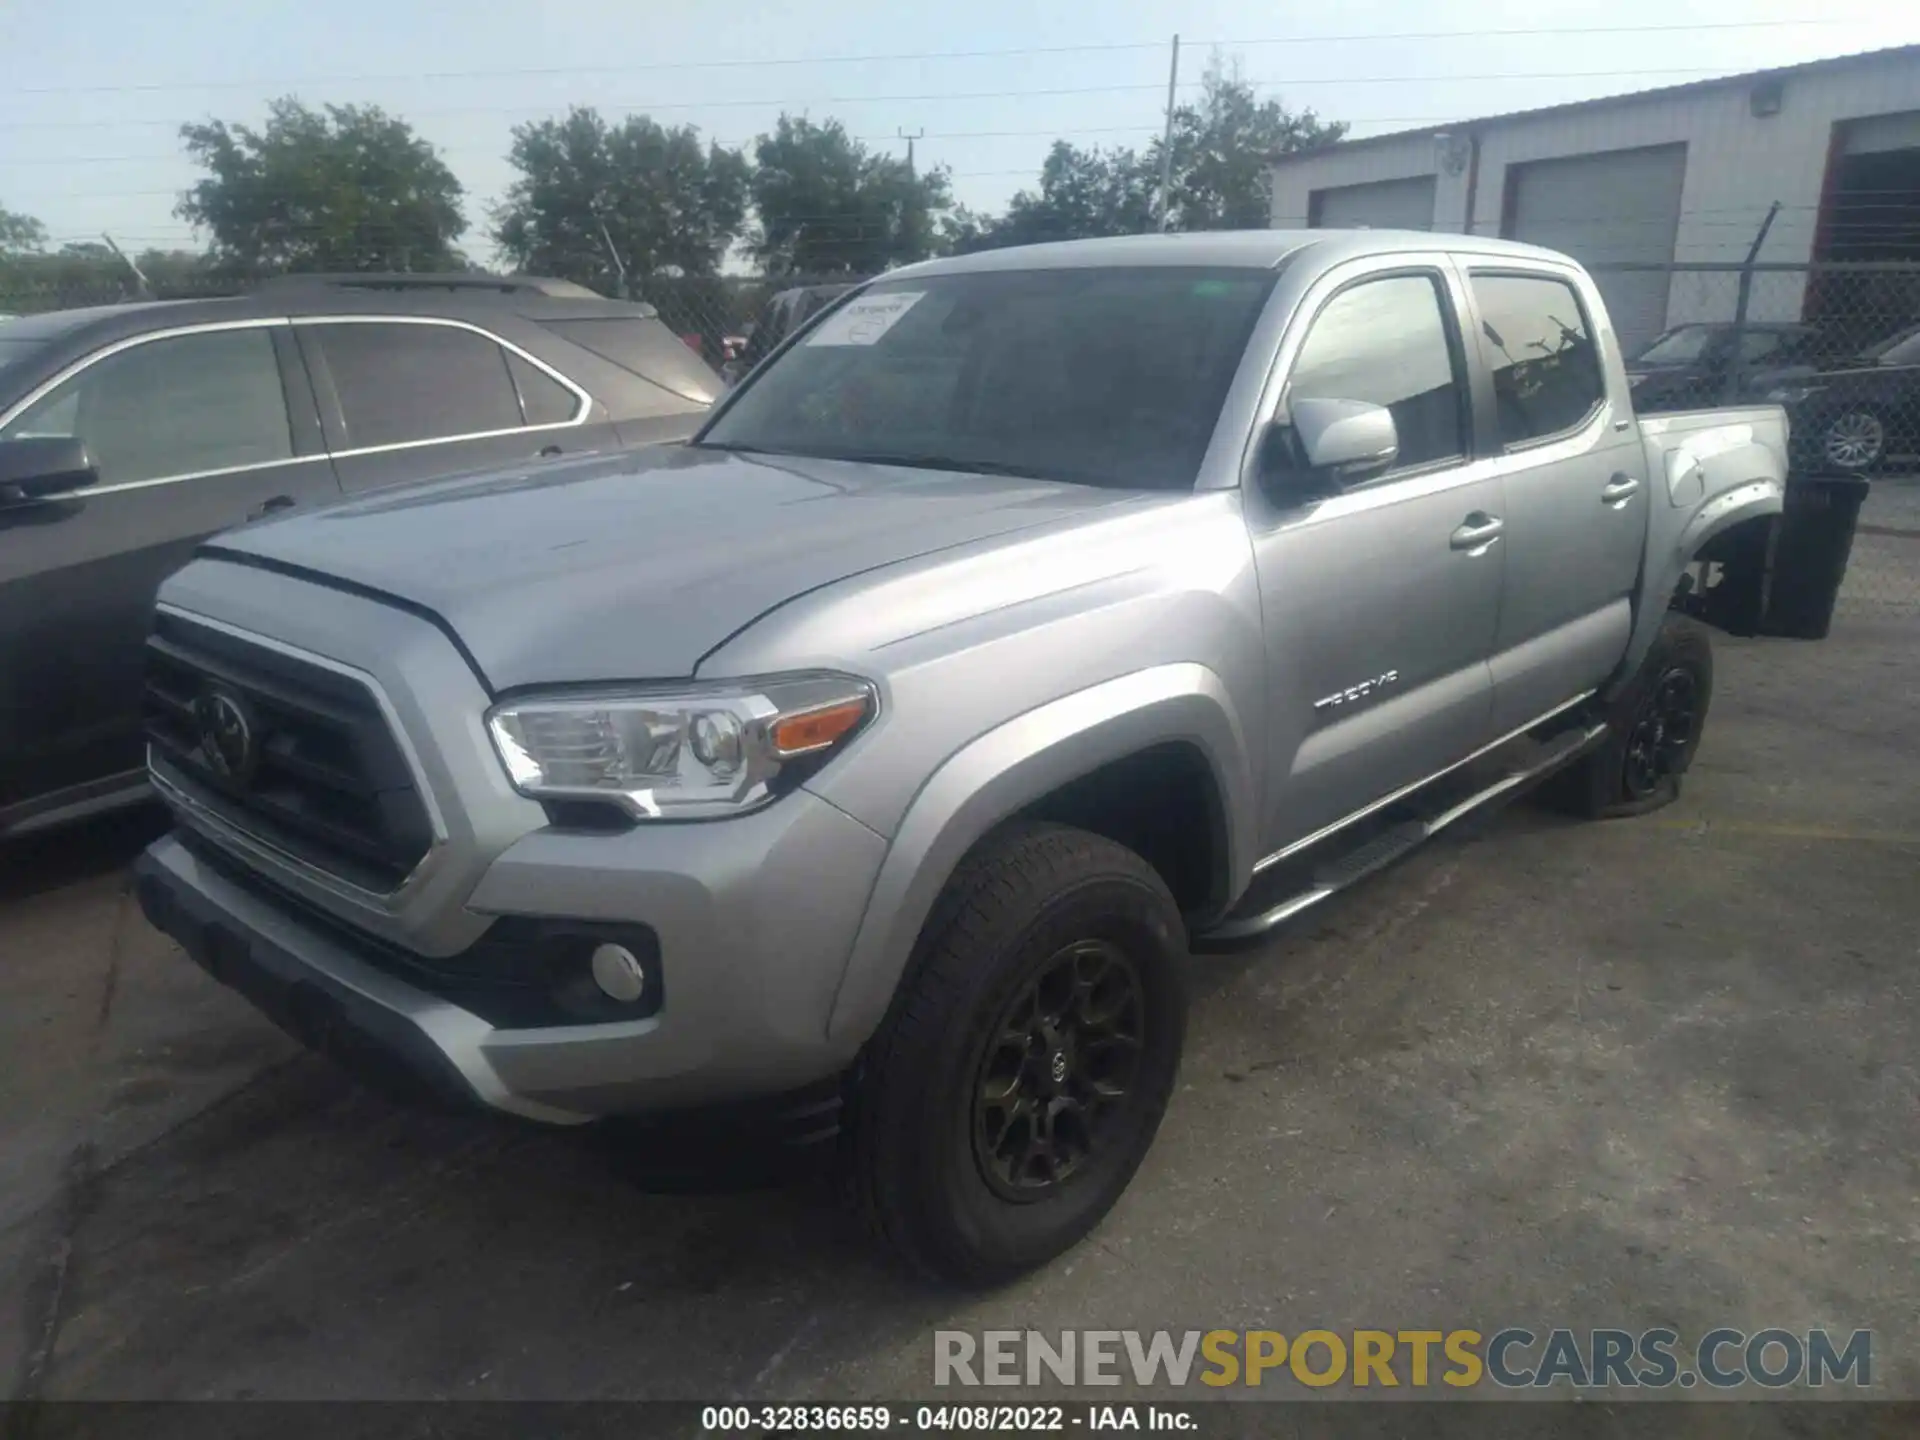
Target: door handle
<point x="1477" y="533"/>
<point x="1619" y="490"/>
<point x="547" y="452"/>
<point x="268" y="507"/>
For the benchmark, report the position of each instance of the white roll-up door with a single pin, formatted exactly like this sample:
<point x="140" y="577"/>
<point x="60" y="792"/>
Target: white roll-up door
<point x="1377" y="205"/>
<point x="1619" y="207"/>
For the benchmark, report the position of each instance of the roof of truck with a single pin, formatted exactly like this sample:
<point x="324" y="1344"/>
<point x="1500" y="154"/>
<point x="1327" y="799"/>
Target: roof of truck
<point x="1223" y="249"/>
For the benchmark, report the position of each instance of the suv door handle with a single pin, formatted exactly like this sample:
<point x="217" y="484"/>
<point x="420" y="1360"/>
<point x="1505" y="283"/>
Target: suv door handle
<point x="268" y="507"/>
<point x="1477" y="533"/>
<point x="547" y="452"/>
<point x="1619" y="490"/>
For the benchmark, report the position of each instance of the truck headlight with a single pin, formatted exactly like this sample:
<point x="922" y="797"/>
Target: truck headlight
<point x="1793" y="394"/>
<point x="685" y="752"/>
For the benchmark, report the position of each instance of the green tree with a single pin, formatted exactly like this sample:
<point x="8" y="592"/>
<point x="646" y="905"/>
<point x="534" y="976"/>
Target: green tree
<point x="1223" y="149"/>
<point x="609" y="206"/>
<point x="349" y="187"/>
<point x="827" y="205"/>
<point x="20" y="234"/>
<point x="1082" y="194"/>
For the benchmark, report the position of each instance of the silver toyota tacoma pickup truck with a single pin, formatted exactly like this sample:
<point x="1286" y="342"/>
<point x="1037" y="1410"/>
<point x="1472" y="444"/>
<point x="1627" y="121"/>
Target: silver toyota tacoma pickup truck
<point x="1029" y="622"/>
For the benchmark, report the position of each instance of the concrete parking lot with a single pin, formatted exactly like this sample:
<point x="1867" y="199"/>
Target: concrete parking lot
<point x="1649" y="1072"/>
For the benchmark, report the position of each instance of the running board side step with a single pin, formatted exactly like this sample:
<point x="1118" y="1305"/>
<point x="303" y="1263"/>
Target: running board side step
<point x="1279" y="895"/>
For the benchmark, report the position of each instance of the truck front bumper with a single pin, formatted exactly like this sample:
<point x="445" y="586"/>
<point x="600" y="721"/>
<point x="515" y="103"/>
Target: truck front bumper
<point x="755" y="919"/>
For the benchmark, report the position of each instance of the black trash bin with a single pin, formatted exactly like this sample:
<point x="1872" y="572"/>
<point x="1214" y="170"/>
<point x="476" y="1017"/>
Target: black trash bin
<point x="1810" y="552"/>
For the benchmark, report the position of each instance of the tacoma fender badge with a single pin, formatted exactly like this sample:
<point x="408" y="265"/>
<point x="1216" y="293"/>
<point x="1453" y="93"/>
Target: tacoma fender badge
<point x="1357" y="692"/>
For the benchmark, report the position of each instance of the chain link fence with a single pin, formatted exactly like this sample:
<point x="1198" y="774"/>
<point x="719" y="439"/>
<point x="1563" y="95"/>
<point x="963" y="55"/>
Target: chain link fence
<point x="1837" y="345"/>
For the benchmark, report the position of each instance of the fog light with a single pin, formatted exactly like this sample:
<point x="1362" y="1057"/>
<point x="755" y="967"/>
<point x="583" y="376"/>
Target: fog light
<point x="618" y="973"/>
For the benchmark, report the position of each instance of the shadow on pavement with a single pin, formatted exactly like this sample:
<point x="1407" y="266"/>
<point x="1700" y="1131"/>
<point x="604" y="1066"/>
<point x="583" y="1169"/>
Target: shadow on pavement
<point x="35" y="864"/>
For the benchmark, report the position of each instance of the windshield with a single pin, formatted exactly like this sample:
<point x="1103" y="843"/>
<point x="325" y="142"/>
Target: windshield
<point x="1102" y="376"/>
<point x="1900" y="348"/>
<point x="1677" y="346"/>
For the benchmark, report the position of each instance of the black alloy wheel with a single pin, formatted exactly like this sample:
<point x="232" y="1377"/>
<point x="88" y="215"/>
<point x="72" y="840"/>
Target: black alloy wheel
<point x="1058" y="1069"/>
<point x="1662" y="734"/>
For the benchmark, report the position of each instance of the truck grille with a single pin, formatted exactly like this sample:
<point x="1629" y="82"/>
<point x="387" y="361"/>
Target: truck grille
<point x="296" y="754"/>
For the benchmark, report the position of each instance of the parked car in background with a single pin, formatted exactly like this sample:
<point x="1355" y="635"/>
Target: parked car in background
<point x="128" y="433"/>
<point x="1689" y="365"/>
<point x="1031" y="618"/>
<point x="784" y="313"/>
<point x="1859" y="415"/>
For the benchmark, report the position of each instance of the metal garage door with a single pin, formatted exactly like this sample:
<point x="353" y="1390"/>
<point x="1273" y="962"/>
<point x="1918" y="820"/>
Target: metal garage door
<point x="1620" y="206"/>
<point x="1381" y="205"/>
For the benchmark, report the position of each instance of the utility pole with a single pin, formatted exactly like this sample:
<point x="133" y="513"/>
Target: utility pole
<point x="1166" y="139"/>
<point x="912" y="174"/>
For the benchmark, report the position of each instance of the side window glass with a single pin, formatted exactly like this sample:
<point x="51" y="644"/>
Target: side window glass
<point x="1546" y="369"/>
<point x="1385" y="342"/>
<point x="543" y="399"/>
<point x="178" y="406"/>
<point x="399" y="383"/>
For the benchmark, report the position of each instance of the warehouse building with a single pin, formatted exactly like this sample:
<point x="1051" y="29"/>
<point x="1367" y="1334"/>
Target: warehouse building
<point x="1632" y="183"/>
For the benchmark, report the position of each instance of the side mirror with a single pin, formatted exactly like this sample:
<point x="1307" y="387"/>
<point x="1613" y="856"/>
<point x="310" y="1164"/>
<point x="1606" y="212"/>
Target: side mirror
<point x="37" y="466"/>
<point x="1345" y="439"/>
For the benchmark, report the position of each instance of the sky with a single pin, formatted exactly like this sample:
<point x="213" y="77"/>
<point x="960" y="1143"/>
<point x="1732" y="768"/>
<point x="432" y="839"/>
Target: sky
<point x="97" y="89"/>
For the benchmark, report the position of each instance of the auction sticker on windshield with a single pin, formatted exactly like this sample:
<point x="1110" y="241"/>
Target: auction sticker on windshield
<point x="865" y="320"/>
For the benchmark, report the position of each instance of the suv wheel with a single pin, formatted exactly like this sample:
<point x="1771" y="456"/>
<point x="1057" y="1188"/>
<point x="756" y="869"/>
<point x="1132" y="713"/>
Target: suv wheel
<point x="1854" y="441"/>
<point x="1654" y="730"/>
<point x="1020" y="1077"/>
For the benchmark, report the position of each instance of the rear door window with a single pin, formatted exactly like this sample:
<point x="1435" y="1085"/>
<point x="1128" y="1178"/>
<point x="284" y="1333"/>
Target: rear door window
<point x="401" y="383"/>
<point x="543" y="399"/>
<point x="1546" y="368"/>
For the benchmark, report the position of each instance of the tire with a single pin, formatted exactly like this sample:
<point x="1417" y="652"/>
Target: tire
<point x="1041" y="926"/>
<point x="1639" y="767"/>
<point x="1854" y="441"/>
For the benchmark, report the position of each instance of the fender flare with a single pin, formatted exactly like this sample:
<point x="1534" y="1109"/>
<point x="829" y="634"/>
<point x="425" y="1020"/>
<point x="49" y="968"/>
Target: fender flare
<point x="1008" y="768"/>
<point x="1670" y="554"/>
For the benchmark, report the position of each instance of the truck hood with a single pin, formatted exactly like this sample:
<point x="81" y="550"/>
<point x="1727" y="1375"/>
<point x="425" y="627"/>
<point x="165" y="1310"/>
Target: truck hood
<point x="634" y="567"/>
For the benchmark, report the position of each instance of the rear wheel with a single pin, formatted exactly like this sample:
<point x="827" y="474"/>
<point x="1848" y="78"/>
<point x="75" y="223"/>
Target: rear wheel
<point x="1654" y="729"/>
<point x="1020" y="1078"/>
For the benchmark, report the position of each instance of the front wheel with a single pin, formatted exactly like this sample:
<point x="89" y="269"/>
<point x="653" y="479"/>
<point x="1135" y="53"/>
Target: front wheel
<point x="1019" y="1079"/>
<point x="1654" y="727"/>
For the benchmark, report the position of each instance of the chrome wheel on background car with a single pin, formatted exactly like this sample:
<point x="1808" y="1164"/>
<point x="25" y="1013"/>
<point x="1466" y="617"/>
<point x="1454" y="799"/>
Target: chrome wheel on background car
<point x="1855" y="441"/>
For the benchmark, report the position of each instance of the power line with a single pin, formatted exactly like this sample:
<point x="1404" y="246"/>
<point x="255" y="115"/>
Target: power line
<point x="1277" y="83"/>
<point x="1095" y="48"/>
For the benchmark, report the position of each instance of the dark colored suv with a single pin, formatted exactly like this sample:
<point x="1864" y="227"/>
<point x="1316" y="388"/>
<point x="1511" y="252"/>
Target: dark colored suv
<point x="129" y="433"/>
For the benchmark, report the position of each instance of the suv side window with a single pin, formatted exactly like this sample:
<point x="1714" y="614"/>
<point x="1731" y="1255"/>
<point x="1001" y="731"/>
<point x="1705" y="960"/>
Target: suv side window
<point x="409" y="382"/>
<point x="1546" y="368"/>
<point x="176" y="406"/>
<point x="1386" y="342"/>
<point x="543" y="399"/>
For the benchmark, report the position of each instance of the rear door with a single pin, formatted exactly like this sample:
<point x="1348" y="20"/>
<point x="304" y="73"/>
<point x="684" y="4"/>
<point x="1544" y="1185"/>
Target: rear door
<point x="1576" y="486"/>
<point x="414" y="398"/>
<point x="192" y="431"/>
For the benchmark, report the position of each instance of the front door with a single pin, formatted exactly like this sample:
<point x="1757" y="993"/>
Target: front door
<point x="191" y="433"/>
<point x="1379" y="598"/>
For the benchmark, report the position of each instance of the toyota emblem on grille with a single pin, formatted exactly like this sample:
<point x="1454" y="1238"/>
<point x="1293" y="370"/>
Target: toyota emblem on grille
<point x="226" y="735"/>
